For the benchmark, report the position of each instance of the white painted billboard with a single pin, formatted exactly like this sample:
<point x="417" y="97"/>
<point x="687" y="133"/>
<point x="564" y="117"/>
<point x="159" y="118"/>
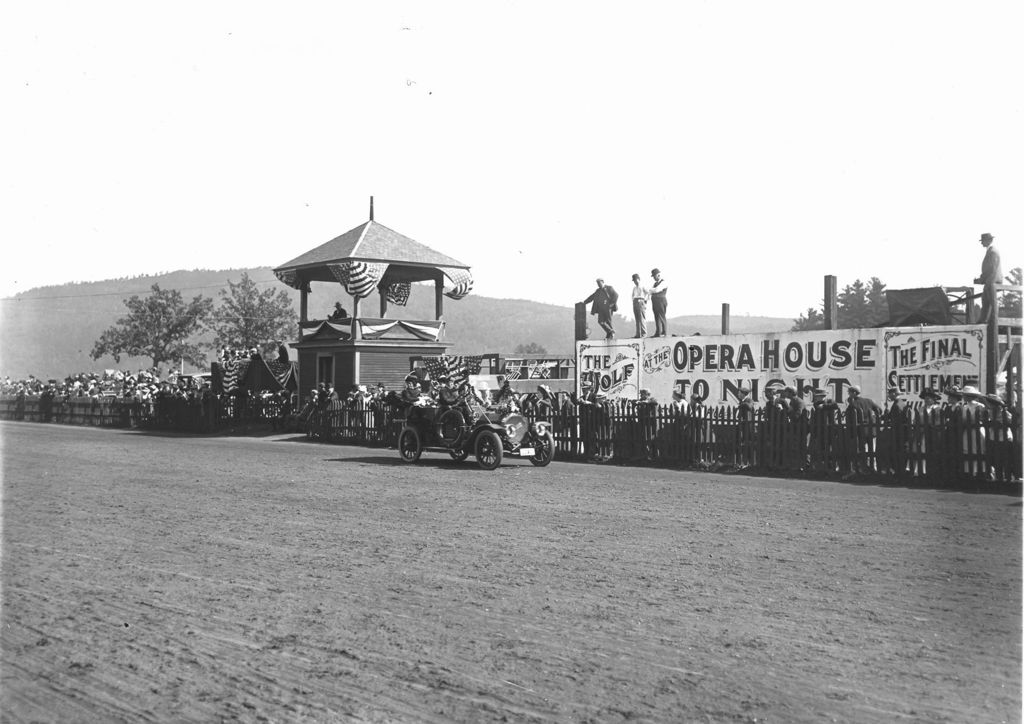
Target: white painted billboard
<point x="714" y="367"/>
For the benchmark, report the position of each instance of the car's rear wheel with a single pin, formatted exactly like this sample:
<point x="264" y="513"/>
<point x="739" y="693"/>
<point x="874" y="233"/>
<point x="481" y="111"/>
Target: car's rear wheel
<point x="488" y="450"/>
<point x="410" y="446"/>
<point x="543" y="449"/>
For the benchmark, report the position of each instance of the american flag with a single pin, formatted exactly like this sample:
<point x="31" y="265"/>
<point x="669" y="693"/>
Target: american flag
<point x="462" y="283"/>
<point x="359" y="278"/>
<point x="231" y="371"/>
<point x="457" y="367"/>
<point x="398" y="292"/>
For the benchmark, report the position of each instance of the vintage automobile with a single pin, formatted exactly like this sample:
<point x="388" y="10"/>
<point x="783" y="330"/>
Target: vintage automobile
<point x="463" y="429"/>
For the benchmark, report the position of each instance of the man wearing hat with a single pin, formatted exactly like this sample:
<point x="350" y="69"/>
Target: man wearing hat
<point x="862" y="419"/>
<point x="744" y="403"/>
<point x="604" y="303"/>
<point x="823" y="439"/>
<point x="659" y="303"/>
<point x="589" y="405"/>
<point x="773" y="400"/>
<point x="640" y="297"/>
<point x="991" y="274"/>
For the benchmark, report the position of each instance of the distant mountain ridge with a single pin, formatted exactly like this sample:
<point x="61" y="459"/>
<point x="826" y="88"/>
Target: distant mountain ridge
<point x="50" y="331"/>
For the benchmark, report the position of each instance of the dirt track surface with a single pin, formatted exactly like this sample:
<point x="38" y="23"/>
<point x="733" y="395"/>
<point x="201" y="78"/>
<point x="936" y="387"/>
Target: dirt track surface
<point x="150" y="578"/>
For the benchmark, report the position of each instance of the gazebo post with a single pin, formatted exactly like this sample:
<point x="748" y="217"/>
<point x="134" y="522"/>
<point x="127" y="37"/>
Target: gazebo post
<point x="304" y="304"/>
<point x="438" y="297"/>
<point x="383" y="304"/>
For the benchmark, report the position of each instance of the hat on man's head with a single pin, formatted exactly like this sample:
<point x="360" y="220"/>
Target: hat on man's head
<point x="745" y="387"/>
<point x="412" y="377"/>
<point x="635" y="276"/>
<point x="953" y="392"/>
<point x="995" y="400"/>
<point x="971" y="391"/>
<point x="855" y="389"/>
<point x="655" y="270"/>
<point x="929" y="393"/>
<point x="819" y="394"/>
<point x="986" y="237"/>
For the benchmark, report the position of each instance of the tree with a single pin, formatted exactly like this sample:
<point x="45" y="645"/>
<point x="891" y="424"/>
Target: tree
<point x="158" y="326"/>
<point x="858" y="305"/>
<point x="1010" y="302"/>
<point x="813" y="319"/>
<point x="248" y="317"/>
<point x="532" y="348"/>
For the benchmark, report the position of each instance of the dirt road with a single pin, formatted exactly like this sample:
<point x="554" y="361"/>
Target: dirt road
<point x="174" y="578"/>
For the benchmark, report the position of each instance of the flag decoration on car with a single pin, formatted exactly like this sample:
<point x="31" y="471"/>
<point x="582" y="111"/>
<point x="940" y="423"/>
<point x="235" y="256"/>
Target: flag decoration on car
<point x="457" y="367"/>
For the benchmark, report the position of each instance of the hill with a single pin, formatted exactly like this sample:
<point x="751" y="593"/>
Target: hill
<point x="50" y="331"/>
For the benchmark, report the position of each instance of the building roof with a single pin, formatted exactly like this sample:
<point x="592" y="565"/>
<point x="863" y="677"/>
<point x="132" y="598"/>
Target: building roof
<point x="372" y="242"/>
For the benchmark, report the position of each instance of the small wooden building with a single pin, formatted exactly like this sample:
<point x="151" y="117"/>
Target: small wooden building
<point x="375" y="344"/>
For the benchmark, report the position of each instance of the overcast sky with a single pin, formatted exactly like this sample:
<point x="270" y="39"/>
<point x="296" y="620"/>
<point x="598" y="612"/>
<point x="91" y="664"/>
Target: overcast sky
<point x="745" y="148"/>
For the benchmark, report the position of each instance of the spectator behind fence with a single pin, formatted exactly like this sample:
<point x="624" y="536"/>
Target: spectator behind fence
<point x="862" y="416"/>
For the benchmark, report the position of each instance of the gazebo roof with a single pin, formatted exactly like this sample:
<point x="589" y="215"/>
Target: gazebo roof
<point x="375" y="243"/>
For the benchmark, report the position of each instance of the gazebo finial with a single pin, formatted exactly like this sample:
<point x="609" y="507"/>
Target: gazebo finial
<point x="371" y="208"/>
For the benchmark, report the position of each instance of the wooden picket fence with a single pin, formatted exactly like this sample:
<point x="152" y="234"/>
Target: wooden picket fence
<point x="936" y="446"/>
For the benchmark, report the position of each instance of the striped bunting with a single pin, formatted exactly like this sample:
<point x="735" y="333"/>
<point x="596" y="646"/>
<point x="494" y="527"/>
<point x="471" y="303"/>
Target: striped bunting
<point x="462" y="282"/>
<point x="398" y="292"/>
<point x="359" y="278"/>
<point x="232" y="371"/>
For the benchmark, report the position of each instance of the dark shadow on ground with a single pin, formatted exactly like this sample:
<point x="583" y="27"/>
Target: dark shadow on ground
<point x="436" y="461"/>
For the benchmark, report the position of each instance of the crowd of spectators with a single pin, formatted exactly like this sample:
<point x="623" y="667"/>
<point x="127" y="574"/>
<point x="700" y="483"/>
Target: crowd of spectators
<point x="143" y="384"/>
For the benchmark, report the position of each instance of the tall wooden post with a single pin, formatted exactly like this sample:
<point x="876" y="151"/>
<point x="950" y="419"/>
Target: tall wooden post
<point x="383" y="304"/>
<point x="991" y="338"/>
<point x="831" y="303"/>
<point x="725" y="318"/>
<point x="438" y="298"/>
<point x="304" y="304"/>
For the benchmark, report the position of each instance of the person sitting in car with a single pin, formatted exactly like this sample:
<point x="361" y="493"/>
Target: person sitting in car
<point x="412" y="394"/>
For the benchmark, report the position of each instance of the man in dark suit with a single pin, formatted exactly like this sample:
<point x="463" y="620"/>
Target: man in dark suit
<point x="862" y="420"/>
<point x="991" y="274"/>
<point x="605" y="300"/>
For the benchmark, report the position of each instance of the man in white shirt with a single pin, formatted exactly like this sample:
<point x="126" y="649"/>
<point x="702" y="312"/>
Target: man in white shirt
<point x="640" y="297"/>
<point x="659" y="303"/>
<point x="991" y="274"/>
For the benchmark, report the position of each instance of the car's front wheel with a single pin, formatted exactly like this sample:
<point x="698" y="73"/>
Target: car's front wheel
<point x="410" y="447"/>
<point x="488" y="450"/>
<point x="543" y="449"/>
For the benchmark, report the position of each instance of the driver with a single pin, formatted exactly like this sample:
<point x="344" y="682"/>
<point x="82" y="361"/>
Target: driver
<point x="445" y="394"/>
<point x="507" y="398"/>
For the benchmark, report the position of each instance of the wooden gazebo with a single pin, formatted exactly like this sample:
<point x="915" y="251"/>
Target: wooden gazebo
<point x="367" y="349"/>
